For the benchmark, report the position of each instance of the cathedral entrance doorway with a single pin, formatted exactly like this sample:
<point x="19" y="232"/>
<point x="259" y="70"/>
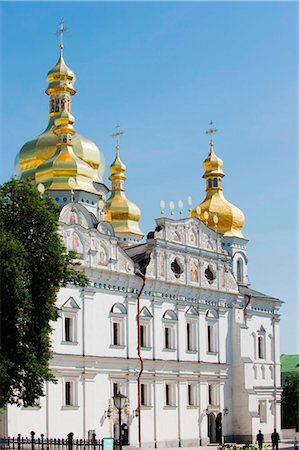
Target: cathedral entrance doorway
<point x="212" y="427"/>
<point x="219" y="428"/>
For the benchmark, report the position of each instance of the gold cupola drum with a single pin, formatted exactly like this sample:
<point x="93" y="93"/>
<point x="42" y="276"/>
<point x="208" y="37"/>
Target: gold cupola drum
<point x="36" y="152"/>
<point x="215" y="211"/>
<point x="123" y="214"/>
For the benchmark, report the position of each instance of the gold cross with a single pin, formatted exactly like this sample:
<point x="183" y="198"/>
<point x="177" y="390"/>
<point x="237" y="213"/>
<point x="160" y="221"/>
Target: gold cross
<point x="117" y="134"/>
<point x="211" y="131"/>
<point x="60" y="32"/>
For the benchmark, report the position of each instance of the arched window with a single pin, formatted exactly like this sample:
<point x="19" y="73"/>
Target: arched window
<point x="215" y="182"/>
<point x="240" y="270"/>
<point x="263" y="372"/>
<point x="209" y="183"/>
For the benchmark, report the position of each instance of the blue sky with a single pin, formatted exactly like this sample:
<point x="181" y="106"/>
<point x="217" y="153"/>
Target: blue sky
<point x="163" y="71"/>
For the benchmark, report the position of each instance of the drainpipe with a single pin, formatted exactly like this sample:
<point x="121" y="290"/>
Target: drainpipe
<point x="246" y="305"/>
<point x="274" y="374"/>
<point x="140" y="358"/>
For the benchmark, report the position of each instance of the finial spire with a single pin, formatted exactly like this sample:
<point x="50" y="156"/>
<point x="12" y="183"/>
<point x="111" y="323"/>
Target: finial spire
<point x="117" y="134"/>
<point x="211" y="131"/>
<point x="60" y="32"/>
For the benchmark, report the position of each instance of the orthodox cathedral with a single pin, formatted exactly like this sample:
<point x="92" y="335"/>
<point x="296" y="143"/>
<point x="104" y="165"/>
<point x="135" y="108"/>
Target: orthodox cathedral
<point x="169" y="320"/>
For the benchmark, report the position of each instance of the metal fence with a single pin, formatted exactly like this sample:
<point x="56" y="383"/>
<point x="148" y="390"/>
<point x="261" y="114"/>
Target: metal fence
<point x="42" y="443"/>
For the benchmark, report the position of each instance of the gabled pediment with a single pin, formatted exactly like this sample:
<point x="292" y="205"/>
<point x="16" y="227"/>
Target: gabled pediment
<point x="70" y="304"/>
<point x="192" y="311"/>
<point x="145" y="312"/>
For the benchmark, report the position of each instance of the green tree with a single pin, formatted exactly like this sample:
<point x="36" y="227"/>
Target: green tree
<point x="290" y="402"/>
<point x="33" y="266"/>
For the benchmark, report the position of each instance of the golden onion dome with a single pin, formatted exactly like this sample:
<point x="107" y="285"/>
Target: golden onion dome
<point x="64" y="164"/>
<point x="212" y="164"/>
<point x="215" y="211"/>
<point x="61" y="76"/>
<point x="36" y="151"/>
<point x="123" y="214"/>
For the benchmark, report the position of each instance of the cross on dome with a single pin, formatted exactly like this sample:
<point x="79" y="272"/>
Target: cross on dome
<point x="60" y="32"/>
<point x="117" y="134"/>
<point x="211" y="131"/>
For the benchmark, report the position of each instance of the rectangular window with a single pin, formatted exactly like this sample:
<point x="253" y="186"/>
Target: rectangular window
<point x="261" y="352"/>
<point x="116" y="388"/>
<point x="145" y="394"/>
<point x="168" y="338"/>
<point x="169" y="394"/>
<point x="210" y="338"/>
<point x="191" y="401"/>
<point x="69" y="393"/>
<point x="68" y="329"/>
<point x="143" y="340"/>
<point x="116" y="333"/>
<point x="191" y="336"/>
<point x="210" y="395"/>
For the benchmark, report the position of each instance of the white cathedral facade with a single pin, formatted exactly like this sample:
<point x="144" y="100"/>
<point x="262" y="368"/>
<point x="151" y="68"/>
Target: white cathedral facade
<point x="208" y="342"/>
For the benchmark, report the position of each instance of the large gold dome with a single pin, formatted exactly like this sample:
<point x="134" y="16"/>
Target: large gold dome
<point x="215" y="211"/>
<point x="36" y="151"/>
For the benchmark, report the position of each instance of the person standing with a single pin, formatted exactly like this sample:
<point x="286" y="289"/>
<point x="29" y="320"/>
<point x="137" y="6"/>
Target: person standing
<point x="275" y="438"/>
<point x="260" y="439"/>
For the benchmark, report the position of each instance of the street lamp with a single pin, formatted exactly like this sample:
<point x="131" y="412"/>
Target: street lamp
<point x="119" y="401"/>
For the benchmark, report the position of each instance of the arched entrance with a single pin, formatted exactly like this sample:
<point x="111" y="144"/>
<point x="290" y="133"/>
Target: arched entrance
<point x="219" y="428"/>
<point x="212" y="427"/>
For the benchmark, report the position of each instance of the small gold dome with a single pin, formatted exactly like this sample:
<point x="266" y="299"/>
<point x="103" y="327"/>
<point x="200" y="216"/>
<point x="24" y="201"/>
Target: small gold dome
<point x="36" y="151"/>
<point x="212" y="164"/>
<point x="61" y="76"/>
<point x="215" y="211"/>
<point x="123" y="214"/>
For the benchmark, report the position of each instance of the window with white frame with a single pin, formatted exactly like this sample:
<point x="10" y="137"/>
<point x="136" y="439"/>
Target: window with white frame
<point x="118" y="316"/>
<point x="213" y="394"/>
<point x="169" y="329"/>
<point x="69" y="315"/>
<point x="69" y="392"/>
<point x="170" y="398"/>
<point x="240" y="275"/>
<point x="261" y="344"/>
<point x="191" y="335"/>
<point x="118" y="387"/>
<point x="211" y="331"/>
<point x="145" y="394"/>
<point x="262" y="410"/>
<point x="191" y="328"/>
<point x="191" y="394"/>
<point x="145" y="328"/>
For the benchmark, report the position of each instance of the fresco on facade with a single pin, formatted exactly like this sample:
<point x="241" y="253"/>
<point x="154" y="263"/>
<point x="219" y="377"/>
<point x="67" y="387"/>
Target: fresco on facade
<point x="74" y="243"/>
<point x="102" y="257"/>
<point x="194" y="272"/>
<point x="192" y="238"/>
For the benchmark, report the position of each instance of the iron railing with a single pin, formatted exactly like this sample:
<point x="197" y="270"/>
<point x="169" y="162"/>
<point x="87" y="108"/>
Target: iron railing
<point x="42" y="443"/>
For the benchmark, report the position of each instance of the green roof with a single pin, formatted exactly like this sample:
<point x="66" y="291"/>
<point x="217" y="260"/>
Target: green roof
<point x="289" y="363"/>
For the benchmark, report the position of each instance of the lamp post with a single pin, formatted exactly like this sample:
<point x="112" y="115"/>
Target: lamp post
<point x="119" y="402"/>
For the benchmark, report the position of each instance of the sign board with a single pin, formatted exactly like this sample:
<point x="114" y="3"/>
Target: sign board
<point x="108" y="444"/>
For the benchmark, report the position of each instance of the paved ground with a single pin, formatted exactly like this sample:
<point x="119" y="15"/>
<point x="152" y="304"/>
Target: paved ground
<point x="283" y="445"/>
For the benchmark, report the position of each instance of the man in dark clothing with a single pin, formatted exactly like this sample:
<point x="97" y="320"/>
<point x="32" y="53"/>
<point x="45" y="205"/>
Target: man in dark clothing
<point x="275" y="438"/>
<point x="260" y="439"/>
